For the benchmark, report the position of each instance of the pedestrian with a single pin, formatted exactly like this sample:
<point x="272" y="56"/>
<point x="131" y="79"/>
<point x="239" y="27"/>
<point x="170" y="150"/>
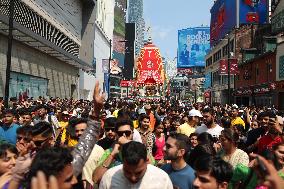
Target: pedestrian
<point x="135" y="172"/>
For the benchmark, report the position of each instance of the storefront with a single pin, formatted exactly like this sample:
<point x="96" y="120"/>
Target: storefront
<point x="258" y="95"/>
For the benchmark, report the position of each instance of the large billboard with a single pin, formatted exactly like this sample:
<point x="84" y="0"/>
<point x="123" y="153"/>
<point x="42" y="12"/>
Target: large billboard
<point x="193" y="45"/>
<point x="227" y="14"/>
<point x="120" y="11"/>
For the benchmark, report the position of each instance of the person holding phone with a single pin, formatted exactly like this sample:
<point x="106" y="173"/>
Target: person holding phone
<point x="111" y="156"/>
<point x="273" y="135"/>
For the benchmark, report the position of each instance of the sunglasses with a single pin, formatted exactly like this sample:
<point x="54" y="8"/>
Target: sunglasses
<point x="109" y="129"/>
<point x="26" y="139"/>
<point x="39" y="143"/>
<point x="126" y="133"/>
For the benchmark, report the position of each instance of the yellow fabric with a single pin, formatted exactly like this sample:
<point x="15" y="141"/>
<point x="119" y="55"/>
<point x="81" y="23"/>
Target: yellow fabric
<point x="72" y="142"/>
<point x="185" y="129"/>
<point x="115" y="113"/>
<point x="63" y="126"/>
<point x="237" y="121"/>
<point x="135" y="124"/>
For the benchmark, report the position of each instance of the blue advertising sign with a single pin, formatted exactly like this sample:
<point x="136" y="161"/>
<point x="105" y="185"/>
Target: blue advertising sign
<point x="225" y="15"/>
<point x="193" y="45"/>
<point x="208" y="82"/>
<point x="253" y="11"/>
<point x="223" y="19"/>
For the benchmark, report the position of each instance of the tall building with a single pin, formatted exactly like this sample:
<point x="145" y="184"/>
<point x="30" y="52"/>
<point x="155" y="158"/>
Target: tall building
<point x="135" y="15"/>
<point x="102" y="32"/>
<point x="48" y="48"/>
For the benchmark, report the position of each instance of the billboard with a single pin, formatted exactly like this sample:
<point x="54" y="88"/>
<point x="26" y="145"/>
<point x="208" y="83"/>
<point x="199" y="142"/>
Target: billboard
<point x="226" y="14"/>
<point x="193" y="45"/>
<point x="120" y="11"/>
<point x="253" y="11"/>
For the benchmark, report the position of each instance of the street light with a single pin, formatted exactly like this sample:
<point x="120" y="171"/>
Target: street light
<point x="9" y="51"/>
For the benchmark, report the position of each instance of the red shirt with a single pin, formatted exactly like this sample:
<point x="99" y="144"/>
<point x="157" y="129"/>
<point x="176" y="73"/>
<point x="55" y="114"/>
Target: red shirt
<point x="266" y="142"/>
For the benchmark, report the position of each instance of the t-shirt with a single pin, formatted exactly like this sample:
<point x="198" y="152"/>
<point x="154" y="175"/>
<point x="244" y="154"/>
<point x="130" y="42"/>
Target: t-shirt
<point x="183" y="178"/>
<point x="215" y="132"/>
<point x="153" y="178"/>
<point x="92" y="163"/>
<point x="185" y="129"/>
<point x="9" y="133"/>
<point x="267" y="142"/>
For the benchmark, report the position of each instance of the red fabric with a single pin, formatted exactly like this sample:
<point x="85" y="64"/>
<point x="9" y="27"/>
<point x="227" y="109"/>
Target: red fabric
<point x="267" y="142"/>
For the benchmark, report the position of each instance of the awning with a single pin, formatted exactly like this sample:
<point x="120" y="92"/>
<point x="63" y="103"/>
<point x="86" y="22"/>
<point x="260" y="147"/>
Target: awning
<point x="30" y="38"/>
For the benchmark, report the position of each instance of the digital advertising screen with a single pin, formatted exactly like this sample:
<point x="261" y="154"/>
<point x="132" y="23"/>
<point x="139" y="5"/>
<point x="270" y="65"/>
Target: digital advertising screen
<point x="223" y="19"/>
<point x="253" y="11"/>
<point x="193" y="45"/>
<point x="120" y="11"/>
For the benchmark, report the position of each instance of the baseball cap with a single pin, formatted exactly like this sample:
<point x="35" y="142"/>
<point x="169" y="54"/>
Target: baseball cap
<point x="194" y="112"/>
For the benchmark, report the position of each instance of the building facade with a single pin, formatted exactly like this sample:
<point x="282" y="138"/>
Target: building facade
<point x="277" y="23"/>
<point x="47" y="48"/>
<point x="135" y="15"/>
<point x="102" y="32"/>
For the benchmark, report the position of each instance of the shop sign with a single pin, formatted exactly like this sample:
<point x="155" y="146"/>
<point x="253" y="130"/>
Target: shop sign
<point x="261" y="90"/>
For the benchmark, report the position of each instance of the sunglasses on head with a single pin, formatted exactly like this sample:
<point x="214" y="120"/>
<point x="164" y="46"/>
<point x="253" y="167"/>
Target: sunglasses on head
<point x="126" y="133"/>
<point x="110" y="129"/>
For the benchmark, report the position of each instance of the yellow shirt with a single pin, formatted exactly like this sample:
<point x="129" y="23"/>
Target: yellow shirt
<point x="185" y="129"/>
<point x="238" y="121"/>
<point x="115" y="113"/>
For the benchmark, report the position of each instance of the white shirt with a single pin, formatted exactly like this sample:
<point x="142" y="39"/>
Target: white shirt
<point x="154" y="178"/>
<point x="214" y="132"/>
<point x="136" y="136"/>
<point x="92" y="163"/>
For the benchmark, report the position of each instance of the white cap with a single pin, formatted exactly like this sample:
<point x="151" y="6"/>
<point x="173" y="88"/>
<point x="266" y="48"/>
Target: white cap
<point x="280" y="120"/>
<point x="194" y="112"/>
<point x="235" y="106"/>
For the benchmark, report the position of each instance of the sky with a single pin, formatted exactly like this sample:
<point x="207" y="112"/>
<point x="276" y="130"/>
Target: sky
<point x="166" y="17"/>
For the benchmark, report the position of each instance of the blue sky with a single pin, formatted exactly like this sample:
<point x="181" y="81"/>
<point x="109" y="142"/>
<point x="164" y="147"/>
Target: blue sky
<point x="166" y="17"/>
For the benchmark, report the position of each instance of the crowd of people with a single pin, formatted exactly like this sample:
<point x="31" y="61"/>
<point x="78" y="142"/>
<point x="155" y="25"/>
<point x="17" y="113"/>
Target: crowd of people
<point x="67" y="143"/>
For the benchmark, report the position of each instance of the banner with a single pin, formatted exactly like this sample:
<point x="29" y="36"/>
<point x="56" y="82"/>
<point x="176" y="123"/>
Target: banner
<point x="223" y="66"/>
<point x="105" y="65"/>
<point x="193" y="45"/>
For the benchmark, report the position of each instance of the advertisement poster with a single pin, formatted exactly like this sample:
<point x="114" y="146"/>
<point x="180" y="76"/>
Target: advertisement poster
<point x="23" y="86"/>
<point x="119" y="31"/>
<point x="253" y="11"/>
<point x="225" y="15"/>
<point x="193" y="45"/>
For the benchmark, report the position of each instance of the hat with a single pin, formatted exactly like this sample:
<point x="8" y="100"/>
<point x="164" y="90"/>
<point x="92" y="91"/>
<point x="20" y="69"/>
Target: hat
<point x="280" y="120"/>
<point x="235" y="106"/>
<point x="194" y="112"/>
<point x="65" y="113"/>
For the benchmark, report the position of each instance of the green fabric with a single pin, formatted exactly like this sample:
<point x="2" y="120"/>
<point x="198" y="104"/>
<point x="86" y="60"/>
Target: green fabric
<point x="241" y="174"/>
<point x="118" y="159"/>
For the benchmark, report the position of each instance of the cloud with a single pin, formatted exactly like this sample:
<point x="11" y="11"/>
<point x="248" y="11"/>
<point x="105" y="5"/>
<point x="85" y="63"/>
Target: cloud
<point x="160" y="32"/>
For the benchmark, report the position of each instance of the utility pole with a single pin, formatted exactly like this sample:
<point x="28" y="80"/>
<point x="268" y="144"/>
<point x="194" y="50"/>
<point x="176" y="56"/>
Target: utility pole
<point x="229" y="79"/>
<point x="110" y="57"/>
<point x="9" y="52"/>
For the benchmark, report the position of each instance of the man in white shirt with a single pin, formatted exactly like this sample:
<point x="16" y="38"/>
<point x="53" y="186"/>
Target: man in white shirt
<point x="209" y="124"/>
<point x="135" y="172"/>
